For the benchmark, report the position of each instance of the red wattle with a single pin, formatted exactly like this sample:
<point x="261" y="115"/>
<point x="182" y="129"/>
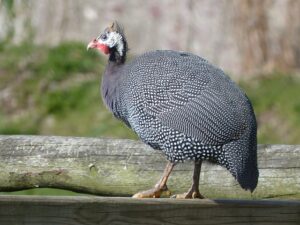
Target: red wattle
<point x="103" y="48"/>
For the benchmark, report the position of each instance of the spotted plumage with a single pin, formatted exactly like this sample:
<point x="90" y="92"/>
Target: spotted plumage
<point x="181" y="104"/>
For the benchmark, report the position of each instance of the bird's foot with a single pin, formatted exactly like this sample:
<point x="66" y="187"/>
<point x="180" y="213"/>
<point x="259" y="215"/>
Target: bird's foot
<point x="155" y="192"/>
<point x="191" y="194"/>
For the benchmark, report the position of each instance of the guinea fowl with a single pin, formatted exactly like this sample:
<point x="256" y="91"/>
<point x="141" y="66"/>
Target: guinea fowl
<point x="183" y="105"/>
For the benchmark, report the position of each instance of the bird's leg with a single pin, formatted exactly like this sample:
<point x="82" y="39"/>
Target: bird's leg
<point x="193" y="192"/>
<point x="160" y="186"/>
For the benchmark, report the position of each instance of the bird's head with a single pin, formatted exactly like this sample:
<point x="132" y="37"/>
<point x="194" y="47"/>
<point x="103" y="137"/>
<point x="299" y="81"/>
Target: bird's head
<point x="110" y="41"/>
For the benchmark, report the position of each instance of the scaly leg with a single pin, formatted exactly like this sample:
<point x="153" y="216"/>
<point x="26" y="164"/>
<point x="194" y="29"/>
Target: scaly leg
<point x="193" y="192"/>
<point x="160" y="187"/>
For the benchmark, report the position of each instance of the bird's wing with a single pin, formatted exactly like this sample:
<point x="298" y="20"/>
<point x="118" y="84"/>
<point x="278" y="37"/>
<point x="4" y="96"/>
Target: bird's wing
<point x="188" y="101"/>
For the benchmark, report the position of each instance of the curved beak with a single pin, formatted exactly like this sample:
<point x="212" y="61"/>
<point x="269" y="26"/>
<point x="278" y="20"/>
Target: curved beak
<point x="100" y="46"/>
<point x="92" y="44"/>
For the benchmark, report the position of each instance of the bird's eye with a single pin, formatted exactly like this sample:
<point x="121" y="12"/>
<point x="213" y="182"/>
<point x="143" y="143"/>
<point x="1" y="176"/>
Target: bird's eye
<point x="103" y="36"/>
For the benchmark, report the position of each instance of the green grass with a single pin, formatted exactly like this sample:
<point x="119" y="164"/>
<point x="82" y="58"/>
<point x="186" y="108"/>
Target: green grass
<point x="44" y="191"/>
<point x="54" y="91"/>
<point x="277" y="105"/>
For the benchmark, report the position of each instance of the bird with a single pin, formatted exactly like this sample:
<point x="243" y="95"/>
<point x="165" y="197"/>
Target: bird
<point x="181" y="104"/>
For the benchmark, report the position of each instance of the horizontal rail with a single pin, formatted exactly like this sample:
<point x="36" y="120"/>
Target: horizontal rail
<point x="29" y="210"/>
<point x="114" y="167"/>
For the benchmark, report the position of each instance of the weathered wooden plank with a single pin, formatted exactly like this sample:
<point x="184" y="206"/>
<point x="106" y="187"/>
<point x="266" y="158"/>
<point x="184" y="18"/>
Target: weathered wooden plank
<point x="123" y="167"/>
<point x="25" y="210"/>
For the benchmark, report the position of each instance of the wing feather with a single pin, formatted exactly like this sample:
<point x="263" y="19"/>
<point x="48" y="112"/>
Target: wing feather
<point x="188" y="94"/>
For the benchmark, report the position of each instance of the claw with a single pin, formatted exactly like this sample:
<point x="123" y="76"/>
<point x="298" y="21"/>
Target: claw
<point x="160" y="188"/>
<point x="155" y="192"/>
<point x="189" y="195"/>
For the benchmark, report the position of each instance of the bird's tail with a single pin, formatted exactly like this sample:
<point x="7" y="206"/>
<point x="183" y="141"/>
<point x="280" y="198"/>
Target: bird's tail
<point x="240" y="158"/>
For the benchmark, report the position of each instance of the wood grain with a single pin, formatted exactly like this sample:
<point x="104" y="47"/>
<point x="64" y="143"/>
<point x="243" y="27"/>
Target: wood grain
<point x="111" y="167"/>
<point x="26" y="210"/>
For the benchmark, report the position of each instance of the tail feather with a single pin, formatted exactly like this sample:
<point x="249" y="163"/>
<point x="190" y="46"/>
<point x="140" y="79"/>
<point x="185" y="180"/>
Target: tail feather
<point x="240" y="158"/>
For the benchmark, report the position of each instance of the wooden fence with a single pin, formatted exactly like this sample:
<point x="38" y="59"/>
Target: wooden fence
<point x="110" y="167"/>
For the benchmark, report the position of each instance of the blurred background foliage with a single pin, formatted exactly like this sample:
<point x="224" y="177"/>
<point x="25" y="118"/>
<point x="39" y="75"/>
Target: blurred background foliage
<point x="50" y="84"/>
<point x="54" y="91"/>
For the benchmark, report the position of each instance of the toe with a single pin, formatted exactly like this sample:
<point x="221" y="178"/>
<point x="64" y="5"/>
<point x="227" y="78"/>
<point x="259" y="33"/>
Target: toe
<point x="152" y="193"/>
<point x="146" y="194"/>
<point x="180" y="196"/>
<point x="188" y="195"/>
<point x="197" y="195"/>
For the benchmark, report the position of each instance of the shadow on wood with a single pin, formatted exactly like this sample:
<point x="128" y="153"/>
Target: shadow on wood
<point x="127" y="211"/>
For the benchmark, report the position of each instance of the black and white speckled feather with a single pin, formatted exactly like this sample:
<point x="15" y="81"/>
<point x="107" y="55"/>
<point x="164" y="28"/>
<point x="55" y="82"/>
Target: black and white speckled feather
<point x="181" y="104"/>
